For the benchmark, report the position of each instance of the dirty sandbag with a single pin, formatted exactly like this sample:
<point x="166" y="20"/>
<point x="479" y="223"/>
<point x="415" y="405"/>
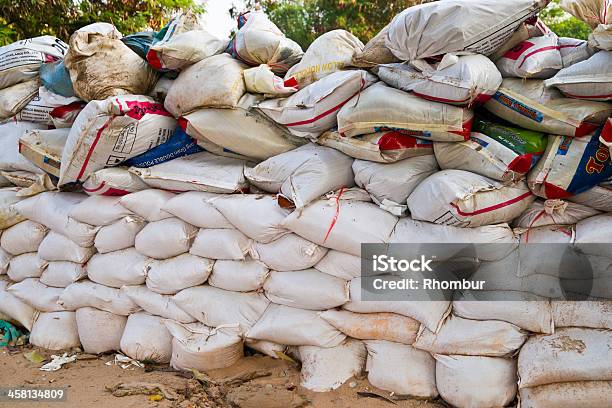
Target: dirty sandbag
<point x="531" y="105"/>
<point x="289" y="253"/>
<point x="242" y="130"/>
<point x="55" y="77"/>
<point x="96" y="139"/>
<point x="113" y="181"/>
<point x="593" y="314"/>
<point x="262" y="80"/>
<point x="119" y="235"/>
<point x="567" y="395"/>
<point x="312" y="110"/>
<point x="55" y="331"/>
<point x="193" y="89"/>
<point x="156" y="303"/>
<point x="537" y="57"/>
<point x="598" y="197"/>
<point x="14" y="98"/>
<point x="118" y="268"/>
<point x="478" y="26"/>
<point x="259" y="41"/>
<point x="92" y="322"/>
<point x="374" y="326"/>
<point x="202" y="171"/>
<point x="43" y="148"/>
<point x="23" y="237"/>
<point x="601" y="37"/>
<point x="553" y="212"/>
<point x="44" y="105"/>
<point x="139" y="42"/>
<point x="15" y="308"/>
<point x="100" y="65"/>
<point x="590" y="79"/>
<point x="570" y="165"/>
<point x="178" y="145"/>
<point x="60" y="274"/>
<point x="21" y="60"/>
<point x="592" y="12"/>
<point x="201" y="348"/>
<point x="86" y="293"/>
<point x="573" y="51"/>
<point x="330" y="52"/>
<point x="9" y="215"/>
<point x="381" y="107"/>
<point x="463" y="80"/>
<point x="145" y="337"/>
<point x="375" y="52"/>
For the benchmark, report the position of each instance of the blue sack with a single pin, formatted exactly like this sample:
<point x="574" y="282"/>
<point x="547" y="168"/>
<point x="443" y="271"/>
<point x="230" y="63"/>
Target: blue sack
<point x="140" y="42"/>
<point x="180" y="144"/>
<point x="56" y="78"/>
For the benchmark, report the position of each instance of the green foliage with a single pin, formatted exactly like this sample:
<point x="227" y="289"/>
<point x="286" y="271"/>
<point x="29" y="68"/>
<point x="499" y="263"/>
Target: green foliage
<point x="30" y="18"/>
<point x="563" y="23"/>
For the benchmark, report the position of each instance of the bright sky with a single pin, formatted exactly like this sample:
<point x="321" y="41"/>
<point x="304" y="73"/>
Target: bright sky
<point x="217" y="19"/>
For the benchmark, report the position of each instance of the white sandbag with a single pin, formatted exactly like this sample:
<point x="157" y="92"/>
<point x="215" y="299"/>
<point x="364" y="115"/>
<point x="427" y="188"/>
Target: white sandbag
<point x="295" y="327"/>
<point x="430" y="313"/>
<point x="148" y="204"/>
<point x="304" y="174"/>
<point x="262" y="80"/>
<point x="480" y="27"/>
<point x="23" y="237"/>
<point x="267" y="348"/>
<point x="192" y="89"/>
<point x="99" y="210"/>
<point x="259" y="41"/>
<point x="239" y="132"/>
<point x="289" y="253"/>
<point x="9" y="213"/>
<point x="89" y="294"/>
<point x="342" y="224"/>
<point x="472" y="338"/>
<point x="391" y="184"/>
<point x="172" y="275"/>
<point x="24" y="266"/>
<point x="46" y="104"/>
<point x="307" y="289"/>
<point x="119" y="235"/>
<point x="484" y="155"/>
<point x="465" y="80"/>
<point x="55" y="331"/>
<point x="590" y="79"/>
<point x="37" y="295"/>
<point x="381" y="107"/>
<point x="146" y="338"/>
<point x="380" y="147"/>
<point x="553" y="212"/>
<point x="99" y="331"/>
<point x="325" y="369"/>
<point x="100" y="65"/>
<point x="238" y="276"/>
<point x="56" y="247"/>
<point x="570" y="354"/>
<point x="573" y="51"/>
<point x="401" y="369"/>
<point x="165" y="238"/>
<point x="600" y="38"/>
<point x="215" y="307"/>
<point x="340" y="264"/>
<point x="375" y="52"/>
<point x="531" y="105"/>
<point x="21" y="60"/>
<point x="373" y="326"/>
<point x="598" y="197"/>
<point x="592" y="12"/>
<point x="114" y="181"/>
<point x="330" y="52"/>
<point x="194" y="207"/>
<point x="110" y="131"/>
<point x="118" y="268"/>
<point x="570" y="165"/>
<point x="312" y="110"/>
<point x="156" y="304"/>
<point x="568" y="395"/>
<point x="16" y="97"/>
<point x="60" y="274"/>
<point x="15" y="308"/>
<point x="592" y="314"/>
<point x="51" y="209"/>
<point x="476" y="382"/>
<point x="5" y="259"/>
<point x="464" y="199"/>
<point x="257" y="216"/>
<point x="202" y="171"/>
<point x="10" y="158"/>
<point x="537" y="57"/>
<point x="221" y="244"/>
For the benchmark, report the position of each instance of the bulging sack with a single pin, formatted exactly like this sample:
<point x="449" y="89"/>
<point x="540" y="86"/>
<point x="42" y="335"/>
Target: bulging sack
<point x="193" y="88"/>
<point x="148" y="204"/>
<point x="567" y="395"/>
<point x="590" y="79"/>
<point x="381" y="107"/>
<point x="195" y="208"/>
<point x="60" y="274"/>
<point x="101" y="66"/>
<point x="261" y="80"/>
<point x="119" y="235"/>
<point x="165" y="238"/>
<point x="23" y="237"/>
<point x="56" y="247"/>
<point x="480" y="27"/>
<point x="119" y="268"/>
<point x="89" y="294"/>
<point x="28" y="265"/>
<point x="573" y="51"/>
<point x="172" y="275"/>
<point x="55" y="331"/>
<point x="221" y="244"/>
<point x="110" y="131"/>
<point x="114" y="181"/>
<point x="14" y="308"/>
<point x="554" y="212"/>
<point x="99" y="331"/>
<point x="38" y="296"/>
<point x="50" y="108"/>
<point x="375" y="52"/>
<point x="238" y="276"/>
<point x="16" y="97"/>
<point x="464" y="199"/>
<point x="592" y="12"/>
<point x="465" y="80"/>
<point x="146" y="338"/>
<point x="259" y="41"/>
<point x="312" y="110"/>
<point x="289" y="253"/>
<point x="10" y="214"/>
<point x="156" y="304"/>
<point x="340" y="264"/>
<point x="10" y="158"/>
<point x="529" y="104"/>
<point x="570" y="166"/>
<point x="538" y="57"/>
<point x="330" y="52"/>
<point x="380" y="147"/>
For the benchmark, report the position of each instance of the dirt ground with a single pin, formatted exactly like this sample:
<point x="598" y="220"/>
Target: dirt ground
<point x="276" y="385"/>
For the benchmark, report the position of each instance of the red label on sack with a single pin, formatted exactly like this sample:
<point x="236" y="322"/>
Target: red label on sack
<point x="517" y="51"/>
